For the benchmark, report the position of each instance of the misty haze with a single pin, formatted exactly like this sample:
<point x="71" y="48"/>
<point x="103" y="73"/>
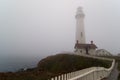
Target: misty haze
<point x="33" y="29"/>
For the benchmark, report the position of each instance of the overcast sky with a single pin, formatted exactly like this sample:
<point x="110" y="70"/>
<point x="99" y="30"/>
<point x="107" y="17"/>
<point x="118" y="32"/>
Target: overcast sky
<point x="36" y="28"/>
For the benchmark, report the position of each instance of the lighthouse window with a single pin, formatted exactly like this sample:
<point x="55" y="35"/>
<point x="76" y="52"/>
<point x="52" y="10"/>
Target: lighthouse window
<point x="81" y="34"/>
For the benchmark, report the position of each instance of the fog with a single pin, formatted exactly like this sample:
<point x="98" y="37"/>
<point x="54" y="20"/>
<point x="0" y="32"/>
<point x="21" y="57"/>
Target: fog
<point x="33" y="29"/>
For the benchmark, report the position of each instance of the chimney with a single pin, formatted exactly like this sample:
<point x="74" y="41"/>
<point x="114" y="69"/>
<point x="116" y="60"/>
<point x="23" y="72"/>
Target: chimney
<point x="91" y="42"/>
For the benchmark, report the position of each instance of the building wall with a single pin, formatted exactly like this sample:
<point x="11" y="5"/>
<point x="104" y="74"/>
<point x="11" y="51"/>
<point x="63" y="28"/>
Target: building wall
<point x="92" y="51"/>
<point x="83" y="51"/>
<point x="103" y="52"/>
<point x="80" y="34"/>
<point x="80" y="51"/>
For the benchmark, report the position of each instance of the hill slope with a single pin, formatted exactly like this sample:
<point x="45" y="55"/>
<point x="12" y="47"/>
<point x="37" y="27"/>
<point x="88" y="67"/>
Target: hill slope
<point x="64" y="63"/>
<point x="55" y="65"/>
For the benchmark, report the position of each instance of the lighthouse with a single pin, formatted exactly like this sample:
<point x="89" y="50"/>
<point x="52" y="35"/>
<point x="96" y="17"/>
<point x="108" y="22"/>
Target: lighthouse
<point x="81" y="47"/>
<point x="80" y="33"/>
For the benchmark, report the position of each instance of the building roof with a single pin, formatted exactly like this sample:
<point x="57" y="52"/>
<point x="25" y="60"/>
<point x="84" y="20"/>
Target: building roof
<point x="103" y="52"/>
<point x="82" y="46"/>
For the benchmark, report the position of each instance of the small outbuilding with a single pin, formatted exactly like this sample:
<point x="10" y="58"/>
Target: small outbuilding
<point x="103" y="52"/>
<point x="88" y="49"/>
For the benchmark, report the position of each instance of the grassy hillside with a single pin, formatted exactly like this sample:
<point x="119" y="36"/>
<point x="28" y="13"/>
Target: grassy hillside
<point x="55" y="65"/>
<point x="67" y="63"/>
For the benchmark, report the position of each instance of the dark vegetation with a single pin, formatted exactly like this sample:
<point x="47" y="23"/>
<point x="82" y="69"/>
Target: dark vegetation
<point x="53" y="66"/>
<point x="117" y="59"/>
<point x="119" y="77"/>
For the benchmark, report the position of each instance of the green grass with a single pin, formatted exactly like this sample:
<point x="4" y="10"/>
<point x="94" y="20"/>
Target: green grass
<point x="68" y="63"/>
<point x="55" y="65"/>
<point x="117" y="59"/>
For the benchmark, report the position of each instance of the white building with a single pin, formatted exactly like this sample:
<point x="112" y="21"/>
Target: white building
<point x="81" y="47"/>
<point x="89" y="49"/>
<point x="103" y="52"/>
<point x="118" y="54"/>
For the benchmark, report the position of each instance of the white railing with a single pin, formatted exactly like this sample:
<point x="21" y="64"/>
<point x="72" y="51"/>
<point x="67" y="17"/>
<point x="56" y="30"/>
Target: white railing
<point x="93" y="73"/>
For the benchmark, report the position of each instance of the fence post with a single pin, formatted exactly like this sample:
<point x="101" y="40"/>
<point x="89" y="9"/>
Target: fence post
<point x="62" y="77"/>
<point x="65" y="76"/>
<point x="52" y="78"/>
<point x="56" y="78"/>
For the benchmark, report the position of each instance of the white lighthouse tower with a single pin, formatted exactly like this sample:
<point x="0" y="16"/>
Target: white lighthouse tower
<point x="81" y="47"/>
<point x="80" y="33"/>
